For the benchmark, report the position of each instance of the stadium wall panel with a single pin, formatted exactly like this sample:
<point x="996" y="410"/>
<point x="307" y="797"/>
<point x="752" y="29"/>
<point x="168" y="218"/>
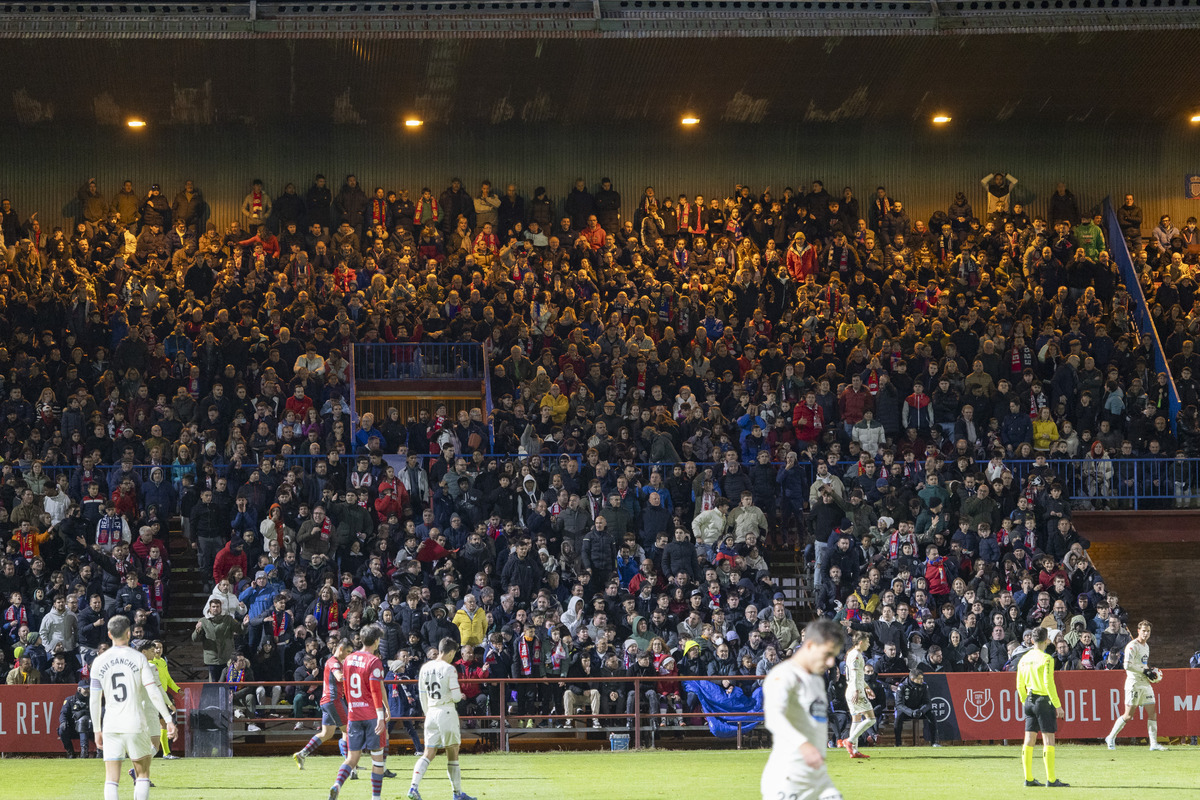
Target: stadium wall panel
<point x="919" y="165"/>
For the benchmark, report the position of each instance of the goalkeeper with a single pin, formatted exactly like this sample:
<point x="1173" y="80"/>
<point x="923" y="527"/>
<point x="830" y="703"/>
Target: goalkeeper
<point x="1139" y="693"/>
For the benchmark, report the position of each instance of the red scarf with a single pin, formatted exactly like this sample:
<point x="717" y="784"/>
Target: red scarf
<point x="281" y="623"/>
<point x="529" y="654"/>
<point x="158" y="596"/>
<point x="873" y="382"/>
<point x="256" y="202"/>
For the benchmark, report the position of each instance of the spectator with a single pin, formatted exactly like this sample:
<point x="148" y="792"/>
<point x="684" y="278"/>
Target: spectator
<point x="215" y="633"/>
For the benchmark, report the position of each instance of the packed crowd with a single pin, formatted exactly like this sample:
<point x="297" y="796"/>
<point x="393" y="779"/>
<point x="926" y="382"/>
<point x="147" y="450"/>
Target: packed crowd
<point x="682" y="388"/>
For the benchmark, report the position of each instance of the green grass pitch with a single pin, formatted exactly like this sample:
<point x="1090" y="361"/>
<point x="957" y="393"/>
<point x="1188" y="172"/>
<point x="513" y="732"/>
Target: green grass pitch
<point x="978" y="773"/>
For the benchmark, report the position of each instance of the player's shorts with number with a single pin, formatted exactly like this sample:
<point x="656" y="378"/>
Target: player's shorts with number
<point x="1138" y="694"/>
<point x="361" y="735"/>
<point x="333" y="714"/>
<point x="798" y="783"/>
<point x="1039" y="714"/>
<point x="120" y="746"/>
<point x="861" y="706"/>
<point x="442" y="728"/>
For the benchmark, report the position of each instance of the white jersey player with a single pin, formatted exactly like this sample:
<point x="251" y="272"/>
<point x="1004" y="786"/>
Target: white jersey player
<point x="1139" y="693"/>
<point x="796" y="712"/>
<point x="858" y="694"/>
<point x="438" y="686"/>
<point x="124" y="685"/>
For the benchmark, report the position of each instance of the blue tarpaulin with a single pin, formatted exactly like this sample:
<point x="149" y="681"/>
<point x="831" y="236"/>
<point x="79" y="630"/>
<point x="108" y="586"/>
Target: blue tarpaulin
<point x="717" y="703"/>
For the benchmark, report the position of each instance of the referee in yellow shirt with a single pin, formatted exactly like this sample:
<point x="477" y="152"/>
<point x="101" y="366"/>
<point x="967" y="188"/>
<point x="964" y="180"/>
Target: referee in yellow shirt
<point x="1035" y="687"/>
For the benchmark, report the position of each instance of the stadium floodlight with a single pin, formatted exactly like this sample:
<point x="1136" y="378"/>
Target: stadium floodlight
<point x="690" y="121"/>
<point x="941" y="119"/>
<point x="413" y="122"/>
<point x="136" y="123"/>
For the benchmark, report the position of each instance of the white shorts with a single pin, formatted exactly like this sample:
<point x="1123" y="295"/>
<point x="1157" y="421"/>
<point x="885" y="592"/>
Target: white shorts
<point x="863" y="706"/>
<point x="120" y="746"/>
<point x="441" y="727"/>
<point x="1139" y="694"/>
<point x="791" y="780"/>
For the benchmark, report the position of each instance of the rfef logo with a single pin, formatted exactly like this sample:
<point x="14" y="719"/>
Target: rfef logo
<point x="941" y="708"/>
<point x="978" y="705"/>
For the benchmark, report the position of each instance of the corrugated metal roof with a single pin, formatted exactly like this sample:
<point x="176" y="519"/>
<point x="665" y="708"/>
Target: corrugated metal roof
<point x="1054" y="77"/>
<point x="919" y="165"/>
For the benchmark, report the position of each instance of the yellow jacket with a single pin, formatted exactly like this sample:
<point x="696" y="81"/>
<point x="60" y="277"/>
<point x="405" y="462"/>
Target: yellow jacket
<point x="1045" y="433"/>
<point x="471" y="630"/>
<point x="164" y="676"/>
<point x="558" y="406"/>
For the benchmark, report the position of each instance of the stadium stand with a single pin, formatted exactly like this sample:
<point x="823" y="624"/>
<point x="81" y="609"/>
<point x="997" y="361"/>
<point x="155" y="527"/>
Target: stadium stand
<point x="702" y="419"/>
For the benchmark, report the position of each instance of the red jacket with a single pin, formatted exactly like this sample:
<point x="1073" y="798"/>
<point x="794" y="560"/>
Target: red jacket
<point x="299" y="406"/>
<point x="935" y="576"/>
<point x="852" y="405"/>
<point x="226" y="561"/>
<point x="386" y="505"/>
<point x="801" y="264"/>
<point x="808" y="423"/>
<point x="595" y="238"/>
<point x="126" y="504"/>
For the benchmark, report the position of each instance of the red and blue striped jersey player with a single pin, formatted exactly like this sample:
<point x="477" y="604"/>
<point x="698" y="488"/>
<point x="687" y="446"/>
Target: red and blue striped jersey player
<point x="333" y="704"/>
<point x="362" y="675"/>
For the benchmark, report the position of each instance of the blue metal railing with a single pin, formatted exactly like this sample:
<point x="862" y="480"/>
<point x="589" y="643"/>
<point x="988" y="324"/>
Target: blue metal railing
<point x="487" y="398"/>
<point x="1141" y="309"/>
<point x="425" y="361"/>
<point x="1135" y="483"/>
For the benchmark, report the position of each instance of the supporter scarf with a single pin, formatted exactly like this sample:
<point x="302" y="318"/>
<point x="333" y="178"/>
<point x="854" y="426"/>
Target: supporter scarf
<point x="530" y="654"/>
<point x="326" y="529"/>
<point x="420" y="218"/>
<point x="109" y="530"/>
<point x="157" y="593"/>
<point x="27" y="544"/>
<point x="256" y="203"/>
<point x="873" y="382"/>
<point x="327" y="615"/>
<point x="378" y="211"/>
<point x="234" y="675"/>
<point x="1016" y="361"/>
<point x="16" y="615"/>
<point x="281" y="624"/>
<point x="1086" y="658"/>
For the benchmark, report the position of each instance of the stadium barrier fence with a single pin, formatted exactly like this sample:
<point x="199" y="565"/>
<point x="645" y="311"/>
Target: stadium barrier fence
<point x="1132" y="483"/>
<point x="967" y="706"/>
<point x="426" y="361"/>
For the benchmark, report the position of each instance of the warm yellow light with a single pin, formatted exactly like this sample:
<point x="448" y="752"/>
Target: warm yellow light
<point x="690" y="120"/>
<point x="941" y="119"/>
<point x="413" y="123"/>
<point x="1196" y="118"/>
<point x="136" y="123"/>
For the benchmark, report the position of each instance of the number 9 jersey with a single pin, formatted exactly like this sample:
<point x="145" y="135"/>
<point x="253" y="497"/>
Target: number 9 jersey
<point x="362" y="673"/>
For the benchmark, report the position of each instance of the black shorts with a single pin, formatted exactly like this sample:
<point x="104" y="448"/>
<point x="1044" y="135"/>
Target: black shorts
<point x="1039" y="714"/>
